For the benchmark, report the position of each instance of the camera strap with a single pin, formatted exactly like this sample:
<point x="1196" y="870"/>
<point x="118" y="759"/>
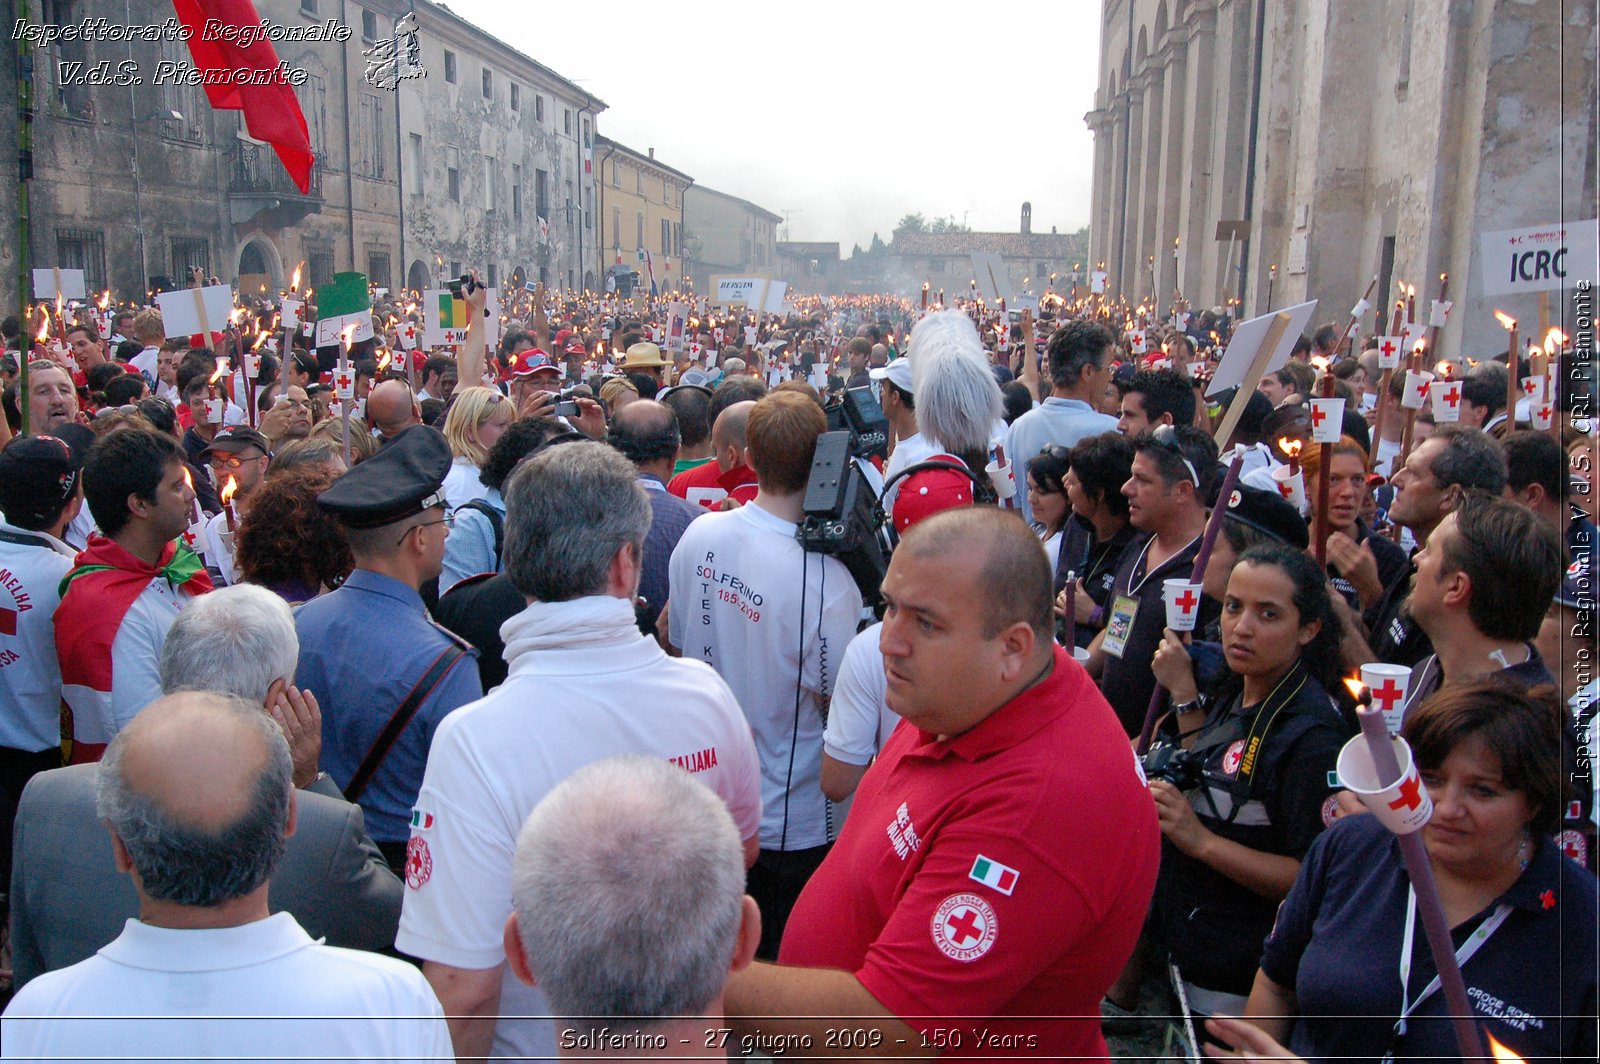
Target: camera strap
<point x="1252" y="736"/>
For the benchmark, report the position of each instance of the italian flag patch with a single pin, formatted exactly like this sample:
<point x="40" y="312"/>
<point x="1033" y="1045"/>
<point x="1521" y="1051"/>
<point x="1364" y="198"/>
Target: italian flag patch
<point x="992" y="873"/>
<point x="423" y="821"/>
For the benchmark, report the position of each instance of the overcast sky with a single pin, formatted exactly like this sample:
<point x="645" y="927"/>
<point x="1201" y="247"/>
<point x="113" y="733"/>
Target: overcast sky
<point x="845" y="115"/>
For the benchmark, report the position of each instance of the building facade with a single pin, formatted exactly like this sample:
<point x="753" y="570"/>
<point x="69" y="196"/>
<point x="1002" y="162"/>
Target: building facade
<point x="810" y="267"/>
<point x="728" y="235"/>
<point x="1354" y="139"/>
<point x="943" y="261"/>
<point x="136" y="183"/>
<point x="641" y="210"/>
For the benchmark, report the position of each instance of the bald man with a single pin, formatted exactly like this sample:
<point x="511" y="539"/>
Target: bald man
<point x="728" y="475"/>
<point x="957" y="887"/>
<point x="197" y="792"/>
<point x="391" y="409"/>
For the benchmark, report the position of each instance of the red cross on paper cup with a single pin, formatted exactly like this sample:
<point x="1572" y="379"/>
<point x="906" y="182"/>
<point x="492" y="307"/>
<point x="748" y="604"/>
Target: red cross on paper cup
<point x="1416" y="393"/>
<point x="1389" y="352"/>
<point x="1541" y="416"/>
<point x="1387" y="684"/>
<point x="344" y="383"/>
<point x="1446" y="398"/>
<point x="1292" y="486"/>
<point x="1327" y="419"/>
<point x="1182" y="598"/>
<point x="1402" y="806"/>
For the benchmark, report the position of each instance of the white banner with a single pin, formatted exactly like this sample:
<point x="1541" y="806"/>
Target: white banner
<point x="1542" y="258"/>
<point x="747" y="290"/>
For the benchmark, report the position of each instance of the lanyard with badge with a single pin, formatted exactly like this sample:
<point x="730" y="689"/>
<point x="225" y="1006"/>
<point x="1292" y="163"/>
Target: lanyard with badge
<point x="1125" y="608"/>
<point x="1471" y="946"/>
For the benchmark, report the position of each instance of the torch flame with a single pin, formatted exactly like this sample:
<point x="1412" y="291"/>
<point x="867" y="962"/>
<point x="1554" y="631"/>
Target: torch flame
<point x="1411" y="291"/>
<point x="44" y="326"/>
<point x="1554" y="341"/>
<point x="229" y="489"/>
<point x="384" y="359"/>
<point x="347" y="334"/>
<point x="1320" y="362"/>
<point x="104" y="301"/>
<point x="216" y="375"/>
<point x="1289" y="446"/>
<point x="1501" y="1053"/>
<point x="261" y="338"/>
<point x="1444" y="369"/>
<point x="1507" y="320"/>
<point x="1355" y="686"/>
<point x="294" y="282"/>
<point x="187" y="478"/>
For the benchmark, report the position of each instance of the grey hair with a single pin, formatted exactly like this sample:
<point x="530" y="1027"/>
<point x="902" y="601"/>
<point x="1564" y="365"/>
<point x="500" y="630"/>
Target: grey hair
<point x="628" y="888"/>
<point x="309" y="451"/>
<point x="569" y="509"/>
<point x="958" y="401"/>
<point x="237" y="639"/>
<point x="187" y="865"/>
<point x="1470" y="457"/>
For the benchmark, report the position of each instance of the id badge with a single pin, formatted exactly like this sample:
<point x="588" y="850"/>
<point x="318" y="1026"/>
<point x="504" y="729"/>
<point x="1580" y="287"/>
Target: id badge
<point x="1120" y="625"/>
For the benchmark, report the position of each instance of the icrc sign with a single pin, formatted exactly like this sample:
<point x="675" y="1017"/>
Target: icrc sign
<point x="1543" y="258"/>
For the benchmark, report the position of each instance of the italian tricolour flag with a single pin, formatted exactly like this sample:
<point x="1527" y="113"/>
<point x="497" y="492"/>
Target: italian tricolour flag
<point x="992" y="873"/>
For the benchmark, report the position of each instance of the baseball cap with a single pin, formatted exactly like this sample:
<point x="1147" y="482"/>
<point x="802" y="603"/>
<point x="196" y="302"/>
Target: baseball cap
<point x="897" y="373"/>
<point x="235" y="438"/>
<point x="928" y="491"/>
<point x="37" y="476"/>
<point x="527" y="363"/>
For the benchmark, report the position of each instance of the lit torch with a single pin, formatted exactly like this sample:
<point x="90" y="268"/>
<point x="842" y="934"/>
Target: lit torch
<point x="228" y="491"/>
<point x="1291" y="449"/>
<point x="1513" y="376"/>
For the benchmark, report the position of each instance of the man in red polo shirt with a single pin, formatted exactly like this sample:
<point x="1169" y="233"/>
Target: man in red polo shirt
<point x="1001" y="852"/>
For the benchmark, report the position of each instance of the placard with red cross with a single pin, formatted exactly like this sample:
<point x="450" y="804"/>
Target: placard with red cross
<point x="344" y="382"/>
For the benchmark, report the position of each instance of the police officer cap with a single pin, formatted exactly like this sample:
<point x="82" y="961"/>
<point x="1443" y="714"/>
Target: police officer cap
<point x="1269" y="513"/>
<point x="398" y="482"/>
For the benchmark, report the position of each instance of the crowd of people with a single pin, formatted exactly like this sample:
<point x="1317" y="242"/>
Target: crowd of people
<point x="501" y="705"/>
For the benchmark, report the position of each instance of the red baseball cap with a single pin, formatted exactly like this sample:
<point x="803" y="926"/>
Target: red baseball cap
<point x="929" y="491"/>
<point x="527" y="363"/>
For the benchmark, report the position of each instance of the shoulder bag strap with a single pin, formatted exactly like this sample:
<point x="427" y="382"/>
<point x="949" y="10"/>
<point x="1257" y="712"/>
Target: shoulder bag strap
<point x="397" y="723"/>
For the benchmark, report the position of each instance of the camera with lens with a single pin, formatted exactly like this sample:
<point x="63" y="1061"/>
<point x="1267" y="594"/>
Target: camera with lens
<point x="857" y="412"/>
<point x="1171" y="762"/>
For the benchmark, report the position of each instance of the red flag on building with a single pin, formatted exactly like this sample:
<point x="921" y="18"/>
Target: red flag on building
<point x="248" y="78"/>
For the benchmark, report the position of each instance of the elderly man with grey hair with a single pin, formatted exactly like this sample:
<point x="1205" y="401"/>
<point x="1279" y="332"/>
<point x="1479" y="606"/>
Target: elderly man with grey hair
<point x="583" y="685"/>
<point x="628" y="896"/>
<point x="197" y="794"/>
<point x="68" y="898"/>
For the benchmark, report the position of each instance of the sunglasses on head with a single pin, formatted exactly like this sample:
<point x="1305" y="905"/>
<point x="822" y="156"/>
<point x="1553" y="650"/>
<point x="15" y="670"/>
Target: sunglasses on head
<point x="1166" y="437"/>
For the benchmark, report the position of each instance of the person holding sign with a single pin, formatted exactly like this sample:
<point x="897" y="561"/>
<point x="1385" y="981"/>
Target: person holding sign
<point x="1243" y="789"/>
<point x="1344" y="974"/>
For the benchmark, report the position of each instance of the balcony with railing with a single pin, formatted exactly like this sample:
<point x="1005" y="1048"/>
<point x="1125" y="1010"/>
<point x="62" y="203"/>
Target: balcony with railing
<point x="258" y="184"/>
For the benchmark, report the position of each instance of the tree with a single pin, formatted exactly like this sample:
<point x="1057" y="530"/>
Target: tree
<point x="910" y="223"/>
<point x="949" y="225"/>
<point x="878" y="246"/>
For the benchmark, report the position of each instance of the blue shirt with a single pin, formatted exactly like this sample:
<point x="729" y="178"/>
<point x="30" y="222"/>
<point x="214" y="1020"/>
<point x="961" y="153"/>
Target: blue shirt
<point x="362" y="649"/>
<point x="1054" y="421"/>
<point x="469" y="549"/>
<point x="1337" y="942"/>
<point x="669" y="516"/>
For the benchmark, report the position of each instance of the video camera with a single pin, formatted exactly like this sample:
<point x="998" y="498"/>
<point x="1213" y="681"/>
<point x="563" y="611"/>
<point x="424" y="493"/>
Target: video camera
<point x="857" y="412"/>
<point x="842" y="513"/>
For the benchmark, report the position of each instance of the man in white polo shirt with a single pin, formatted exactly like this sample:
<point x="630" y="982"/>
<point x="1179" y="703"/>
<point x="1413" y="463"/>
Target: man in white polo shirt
<point x="584" y="685"/>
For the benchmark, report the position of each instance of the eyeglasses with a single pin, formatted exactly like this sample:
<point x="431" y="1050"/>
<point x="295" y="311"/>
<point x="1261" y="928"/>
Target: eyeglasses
<point x="1056" y="451"/>
<point x="219" y="458"/>
<point x="1166" y="437"/>
<point x="108" y="411"/>
<point x="448" y="521"/>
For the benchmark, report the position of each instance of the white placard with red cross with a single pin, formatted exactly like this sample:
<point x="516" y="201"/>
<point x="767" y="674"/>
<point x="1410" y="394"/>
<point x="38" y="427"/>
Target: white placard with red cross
<point x="1416" y="391"/>
<point x="1327" y="419"/>
<point x="1446" y="397"/>
<point x="344" y="382"/>
<point x="1137" y="342"/>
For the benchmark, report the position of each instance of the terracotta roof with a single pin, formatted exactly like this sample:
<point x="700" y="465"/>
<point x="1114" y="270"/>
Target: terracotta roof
<point x="1008" y="245"/>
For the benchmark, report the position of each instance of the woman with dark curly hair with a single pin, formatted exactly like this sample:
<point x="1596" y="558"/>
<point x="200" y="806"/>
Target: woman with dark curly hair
<point x="286" y="543"/>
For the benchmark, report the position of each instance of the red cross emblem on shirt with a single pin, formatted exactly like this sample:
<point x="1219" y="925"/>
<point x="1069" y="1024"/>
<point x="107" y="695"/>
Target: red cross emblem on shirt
<point x="1187" y="601"/>
<point x="1387" y="694"/>
<point x="1410" y="794"/>
<point x="1387" y="347"/>
<point x="964" y="926"/>
<point x="1318" y="415"/>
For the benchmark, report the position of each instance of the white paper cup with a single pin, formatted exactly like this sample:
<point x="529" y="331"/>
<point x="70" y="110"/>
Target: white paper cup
<point x="1388" y="685"/>
<point x="1446" y="399"/>
<point x="1403" y="807"/>
<point x="214" y="410"/>
<point x="1416" y="392"/>
<point x="1000" y="477"/>
<point x="1081" y="656"/>
<point x="1536" y="389"/>
<point x="1327" y="420"/>
<point x="1182" y="598"/>
<point x="819" y="378"/>
<point x="1389" y="350"/>
<point x="1541" y="415"/>
<point x="1292" y="487"/>
<point x="252" y="365"/>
